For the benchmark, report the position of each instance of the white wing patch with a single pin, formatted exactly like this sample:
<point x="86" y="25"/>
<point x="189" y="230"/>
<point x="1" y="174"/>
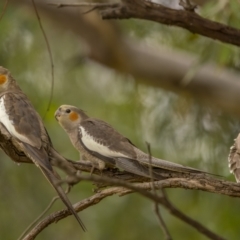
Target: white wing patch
<point x="91" y="144"/>
<point x="8" y="124"/>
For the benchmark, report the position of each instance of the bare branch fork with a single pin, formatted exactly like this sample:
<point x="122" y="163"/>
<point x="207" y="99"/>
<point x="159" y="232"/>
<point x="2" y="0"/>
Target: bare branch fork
<point x="146" y="10"/>
<point x="126" y="188"/>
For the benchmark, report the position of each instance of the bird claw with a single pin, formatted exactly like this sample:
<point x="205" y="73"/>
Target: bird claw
<point x="72" y="180"/>
<point x="92" y="170"/>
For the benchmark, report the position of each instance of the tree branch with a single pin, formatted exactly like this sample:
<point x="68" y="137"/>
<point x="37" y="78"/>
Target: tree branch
<point x="4" y="9"/>
<point x="125" y="188"/>
<point x="203" y="182"/>
<point x="174" y="211"/>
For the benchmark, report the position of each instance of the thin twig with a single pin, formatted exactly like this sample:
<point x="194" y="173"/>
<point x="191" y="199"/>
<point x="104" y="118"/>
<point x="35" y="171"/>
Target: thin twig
<point x="85" y="4"/>
<point x="156" y="206"/>
<point x="4" y="9"/>
<point x="94" y="6"/>
<point x="43" y="213"/>
<point x="38" y="218"/>
<point x="174" y="211"/>
<point x="50" y="55"/>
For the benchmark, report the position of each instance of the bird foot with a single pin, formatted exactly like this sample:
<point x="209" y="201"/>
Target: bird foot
<point x="73" y="179"/>
<point x="92" y="170"/>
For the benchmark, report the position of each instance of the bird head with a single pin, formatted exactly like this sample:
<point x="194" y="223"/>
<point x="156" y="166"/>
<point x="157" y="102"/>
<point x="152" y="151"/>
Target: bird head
<point x="5" y="79"/>
<point x="7" y="82"/>
<point x="69" y="117"/>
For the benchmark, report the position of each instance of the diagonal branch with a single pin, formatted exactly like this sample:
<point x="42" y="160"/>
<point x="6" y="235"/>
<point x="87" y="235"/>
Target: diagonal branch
<point x="156" y="206"/>
<point x="174" y="211"/>
<point x="49" y="53"/>
<point x="4" y="9"/>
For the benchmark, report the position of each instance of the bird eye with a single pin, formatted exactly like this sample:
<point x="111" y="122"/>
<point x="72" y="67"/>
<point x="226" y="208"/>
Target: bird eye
<point x="68" y="111"/>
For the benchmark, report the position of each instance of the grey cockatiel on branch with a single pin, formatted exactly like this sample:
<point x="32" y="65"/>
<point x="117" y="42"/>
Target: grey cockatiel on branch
<point x="234" y="158"/>
<point x="101" y="144"/>
<point x="23" y="136"/>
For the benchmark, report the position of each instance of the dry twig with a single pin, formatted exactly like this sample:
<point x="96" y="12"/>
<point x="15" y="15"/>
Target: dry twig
<point x="4" y="9"/>
<point x="49" y="52"/>
<point x="156" y="207"/>
<point x="38" y="218"/>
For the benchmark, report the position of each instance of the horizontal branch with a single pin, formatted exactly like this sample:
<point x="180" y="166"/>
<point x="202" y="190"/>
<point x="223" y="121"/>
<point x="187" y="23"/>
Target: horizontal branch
<point x="191" y="181"/>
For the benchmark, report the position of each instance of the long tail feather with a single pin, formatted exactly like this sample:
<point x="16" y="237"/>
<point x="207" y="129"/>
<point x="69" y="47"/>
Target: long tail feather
<point x="54" y="182"/>
<point x="136" y="168"/>
<point x="41" y="160"/>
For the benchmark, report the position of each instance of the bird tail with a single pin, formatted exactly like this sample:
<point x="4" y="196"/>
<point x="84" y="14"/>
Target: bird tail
<point x="135" y="167"/>
<point x="159" y="163"/>
<point x="55" y="183"/>
<point x="57" y="160"/>
<point x="41" y="160"/>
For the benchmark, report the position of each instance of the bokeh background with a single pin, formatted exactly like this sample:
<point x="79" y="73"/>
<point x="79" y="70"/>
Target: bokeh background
<point x="179" y="129"/>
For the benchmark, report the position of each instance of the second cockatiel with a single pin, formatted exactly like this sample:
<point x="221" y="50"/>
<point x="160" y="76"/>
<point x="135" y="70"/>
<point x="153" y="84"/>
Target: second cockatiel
<point x="102" y="145"/>
<point x="29" y="139"/>
<point x="234" y="159"/>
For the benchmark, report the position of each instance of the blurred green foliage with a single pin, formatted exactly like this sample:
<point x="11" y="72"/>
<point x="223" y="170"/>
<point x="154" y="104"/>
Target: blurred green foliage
<point x="179" y="129"/>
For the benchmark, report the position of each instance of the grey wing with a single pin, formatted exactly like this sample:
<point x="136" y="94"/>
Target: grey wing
<point x="23" y="122"/>
<point x="12" y="147"/>
<point x="106" y="136"/>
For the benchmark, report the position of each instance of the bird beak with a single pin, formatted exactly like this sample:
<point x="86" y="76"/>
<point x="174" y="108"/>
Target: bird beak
<point x="57" y="114"/>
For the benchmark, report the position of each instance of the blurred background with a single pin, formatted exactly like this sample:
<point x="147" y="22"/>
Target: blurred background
<point x="179" y="128"/>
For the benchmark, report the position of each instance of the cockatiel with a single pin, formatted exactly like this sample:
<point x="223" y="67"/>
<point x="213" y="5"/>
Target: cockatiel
<point x="102" y="145"/>
<point x="234" y="158"/>
<point x="29" y="140"/>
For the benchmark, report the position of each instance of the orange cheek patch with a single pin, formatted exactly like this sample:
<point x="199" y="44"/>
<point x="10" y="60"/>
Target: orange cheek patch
<point x="73" y="116"/>
<point x="3" y="79"/>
